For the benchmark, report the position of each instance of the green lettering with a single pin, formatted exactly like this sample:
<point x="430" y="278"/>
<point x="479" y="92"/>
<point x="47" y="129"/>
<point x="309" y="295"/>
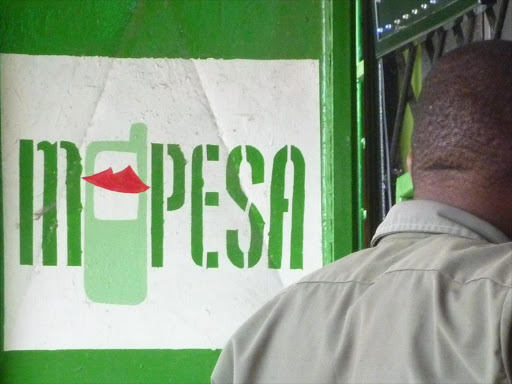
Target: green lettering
<point x="49" y="210"/>
<point x="197" y="203"/>
<point x="177" y="199"/>
<point x="73" y="203"/>
<point x="298" y="202"/>
<point x="26" y="202"/>
<point x="234" y="189"/>
<point x="197" y="246"/>
<point x="174" y="202"/>
<point x="279" y="205"/>
<point x="157" y="205"/>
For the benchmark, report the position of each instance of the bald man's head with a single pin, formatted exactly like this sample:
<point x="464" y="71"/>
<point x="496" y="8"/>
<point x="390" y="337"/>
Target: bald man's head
<point x="463" y="127"/>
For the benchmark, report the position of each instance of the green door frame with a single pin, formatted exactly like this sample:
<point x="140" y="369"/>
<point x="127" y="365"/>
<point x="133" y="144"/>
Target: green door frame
<point x="342" y="118"/>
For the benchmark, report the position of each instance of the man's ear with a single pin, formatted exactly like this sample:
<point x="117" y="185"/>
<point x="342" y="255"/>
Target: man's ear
<point x="409" y="162"/>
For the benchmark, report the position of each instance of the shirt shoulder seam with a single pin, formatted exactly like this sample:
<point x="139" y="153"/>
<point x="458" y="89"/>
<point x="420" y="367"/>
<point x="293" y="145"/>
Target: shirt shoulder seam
<point x="405" y="270"/>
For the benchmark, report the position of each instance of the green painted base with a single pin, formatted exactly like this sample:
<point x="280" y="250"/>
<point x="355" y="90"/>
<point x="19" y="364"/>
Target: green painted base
<point x="108" y="366"/>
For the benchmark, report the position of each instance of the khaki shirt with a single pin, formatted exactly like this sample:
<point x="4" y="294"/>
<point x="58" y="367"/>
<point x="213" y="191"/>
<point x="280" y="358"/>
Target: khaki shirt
<point x="430" y="302"/>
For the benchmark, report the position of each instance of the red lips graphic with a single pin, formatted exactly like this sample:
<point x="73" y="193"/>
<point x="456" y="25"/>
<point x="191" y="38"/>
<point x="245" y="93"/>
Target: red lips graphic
<point x="125" y="181"/>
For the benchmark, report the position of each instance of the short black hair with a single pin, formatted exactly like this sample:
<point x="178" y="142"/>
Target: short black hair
<point x="463" y="123"/>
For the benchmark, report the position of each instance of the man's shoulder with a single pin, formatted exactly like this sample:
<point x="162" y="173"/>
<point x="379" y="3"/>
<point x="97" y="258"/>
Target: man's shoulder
<point x="361" y="267"/>
<point x="393" y="272"/>
<point x="285" y="325"/>
<point x="459" y="259"/>
<point x="290" y="301"/>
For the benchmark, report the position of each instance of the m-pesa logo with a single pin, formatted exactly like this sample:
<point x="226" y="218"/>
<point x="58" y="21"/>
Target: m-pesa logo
<point x="115" y="250"/>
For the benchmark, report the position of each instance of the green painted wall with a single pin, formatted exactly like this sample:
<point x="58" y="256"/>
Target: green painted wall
<point x="259" y="29"/>
<point x="251" y="29"/>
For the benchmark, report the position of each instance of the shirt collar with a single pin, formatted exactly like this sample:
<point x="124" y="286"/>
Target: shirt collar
<point x="433" y="217"/>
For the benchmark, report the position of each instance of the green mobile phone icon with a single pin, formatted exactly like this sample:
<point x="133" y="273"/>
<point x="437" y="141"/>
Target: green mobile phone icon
<point x="115" y="251"/>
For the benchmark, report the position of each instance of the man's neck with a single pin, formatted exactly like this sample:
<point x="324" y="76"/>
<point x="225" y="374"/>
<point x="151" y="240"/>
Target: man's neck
<point x="489" y="206"/>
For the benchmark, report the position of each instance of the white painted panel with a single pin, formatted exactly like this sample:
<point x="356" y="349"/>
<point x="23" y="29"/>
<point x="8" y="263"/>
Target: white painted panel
<point x="266" y="104"/>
